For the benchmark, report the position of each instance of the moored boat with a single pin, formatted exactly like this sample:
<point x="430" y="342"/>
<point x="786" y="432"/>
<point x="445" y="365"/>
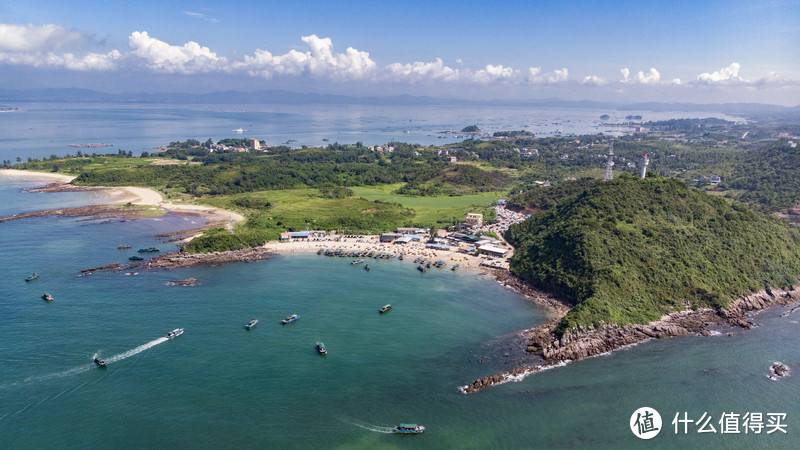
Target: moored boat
<point x="47" y="297"/>
<point x="99" y="362"/>
<point x="455" y="267"/>
<point x="408" y="428"/>
<point x="120" y="247"/>
<point x="174" y="333"/>
<point x="251" y="324"/>
<point x="421" y="268"/>
<point x="385" y="308"/>
<point x="321" y="348"/>
<point x="366" y="267"/>
<point x="290" y="319"/>
<point x="357" y="261"/>
<point x="32" y="277"/>
<point x="136" y="258"/>
<point x="148" y="250"/>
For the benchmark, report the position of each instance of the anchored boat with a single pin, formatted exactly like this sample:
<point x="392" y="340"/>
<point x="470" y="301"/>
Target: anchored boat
<point x="290" y="319"/>
<point x="321" y="348"/>
<point x="385" y="308"/>
<point x="32" y="277"/>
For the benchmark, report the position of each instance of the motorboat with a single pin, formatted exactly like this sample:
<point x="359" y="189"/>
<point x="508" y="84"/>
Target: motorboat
<point x="32" y="277"/>
<point x="408" y="428"/>
<point x="385" y="308"/>
<point x="251" y="324"/>
<point x="290" y="319"/>
<point x="47" y="297"/>
<point x="121" y="247"/>
<point x="321" y="348"/>
<point x="99" y="362"/>
<point x="136" y="258"/>
<point x="174" y="333"/>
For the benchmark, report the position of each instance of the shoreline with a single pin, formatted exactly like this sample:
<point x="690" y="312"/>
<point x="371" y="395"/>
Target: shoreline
<point x="122" y="195"/>
<point x="591" y="342"/>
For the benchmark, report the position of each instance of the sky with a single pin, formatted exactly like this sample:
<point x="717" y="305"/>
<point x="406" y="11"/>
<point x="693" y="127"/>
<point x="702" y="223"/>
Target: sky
<point x="615" y="51"/>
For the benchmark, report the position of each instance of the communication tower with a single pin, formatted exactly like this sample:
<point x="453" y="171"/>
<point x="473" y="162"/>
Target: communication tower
<point x="645" y="162"/>
<point x="610" y="163"/>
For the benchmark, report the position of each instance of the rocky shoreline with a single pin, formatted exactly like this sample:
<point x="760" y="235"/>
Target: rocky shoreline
<point x="178" y="260"/>
<point x="588" y="342"/>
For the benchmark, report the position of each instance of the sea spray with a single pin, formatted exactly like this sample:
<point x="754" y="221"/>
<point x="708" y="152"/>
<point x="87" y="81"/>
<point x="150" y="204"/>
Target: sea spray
<point x="136" y="350"/>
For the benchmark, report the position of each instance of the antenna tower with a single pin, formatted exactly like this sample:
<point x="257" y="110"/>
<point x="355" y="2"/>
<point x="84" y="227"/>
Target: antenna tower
<point x="610" y="163"/>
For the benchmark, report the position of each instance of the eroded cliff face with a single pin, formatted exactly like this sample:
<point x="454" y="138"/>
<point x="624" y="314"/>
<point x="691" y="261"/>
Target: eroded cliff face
<point x="586" y="342"/>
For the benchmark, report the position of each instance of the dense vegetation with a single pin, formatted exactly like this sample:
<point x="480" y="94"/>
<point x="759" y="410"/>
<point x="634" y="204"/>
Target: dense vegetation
<point x="631" y="250"/>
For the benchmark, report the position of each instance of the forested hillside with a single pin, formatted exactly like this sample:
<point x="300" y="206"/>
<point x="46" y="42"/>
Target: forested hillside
<point x="631" y="250"/>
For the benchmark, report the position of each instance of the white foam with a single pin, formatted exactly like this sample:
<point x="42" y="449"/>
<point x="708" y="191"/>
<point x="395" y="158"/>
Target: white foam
<point x="136" y="350"/>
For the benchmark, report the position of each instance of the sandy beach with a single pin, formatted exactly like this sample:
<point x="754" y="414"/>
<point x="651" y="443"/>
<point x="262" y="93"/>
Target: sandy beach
<point x="121" y="195"/>
<point x="410" y="251"/>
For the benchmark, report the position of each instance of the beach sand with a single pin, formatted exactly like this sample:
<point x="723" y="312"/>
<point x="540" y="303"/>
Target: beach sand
<point x="410" y="251"/>
<point x="121" y="195"/>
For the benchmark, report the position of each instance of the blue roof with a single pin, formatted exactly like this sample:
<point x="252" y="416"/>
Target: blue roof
<point x="300" y="234"/>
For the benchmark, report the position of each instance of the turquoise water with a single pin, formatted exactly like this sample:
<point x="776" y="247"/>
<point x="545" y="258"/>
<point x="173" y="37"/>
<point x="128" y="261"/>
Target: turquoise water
<point x="219" y="385"/>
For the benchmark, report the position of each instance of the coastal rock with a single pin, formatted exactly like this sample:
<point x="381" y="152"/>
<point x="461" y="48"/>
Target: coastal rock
<point x="779" y="369"/>
<point x="177" y="260"/>
<point x="186" y="282"/>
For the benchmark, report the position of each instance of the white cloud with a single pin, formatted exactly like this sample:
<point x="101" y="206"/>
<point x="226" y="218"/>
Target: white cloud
<point x="421" y="71"/>
<point x="92" y="61"/>
<point x="593" y="80"/>
<point x="162" y="57"/>
<point x="626" y="74"/>
<point x="493" y="73"/>
<point x="724" y="75"/>
<point x="651" y="77"/>
<point x="201" y="16"/>
<point x="320" y="62"/>
<point x="43" y="38"/>
<point x="558" y="76"/>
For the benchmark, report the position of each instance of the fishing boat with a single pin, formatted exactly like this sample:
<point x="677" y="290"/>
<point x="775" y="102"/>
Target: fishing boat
<point x="421" y="268"/>
<point x="320" y="251"/>
<point x="455" y="267"/>
<point x="321" y="348"/>
<point x="32" y="277"/>
<point x="174" y="333"/>
<point x="251" y="324"/>
<point x="357" y="261"/>
<point x="47" y="297"/>
<point x="385" y="308"/>
<point x="99" y="362"/>
<point x="148" y="250"/>
<point x="408" y="428"/>
<point x="290" y="319"/>
<point x="120" y="247"/>
<point x="400" y="257"/>
<point x="366" y="267"/>
<point x="136" y="258"/>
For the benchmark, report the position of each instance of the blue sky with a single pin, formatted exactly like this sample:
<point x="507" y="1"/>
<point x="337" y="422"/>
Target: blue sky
<point x="697" y="52"/>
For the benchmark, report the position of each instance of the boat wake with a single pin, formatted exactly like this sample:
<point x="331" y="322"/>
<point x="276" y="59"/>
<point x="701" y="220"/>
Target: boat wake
<point x="88" y="367"/>
<point x="136" y="350"/>
<point x="366" y="426"/>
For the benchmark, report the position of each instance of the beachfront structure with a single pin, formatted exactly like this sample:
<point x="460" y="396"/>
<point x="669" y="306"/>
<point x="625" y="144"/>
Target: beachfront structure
<point x="389" y="237"/>
<point x="492" y="250"/>
<point x="402" y="230"/>
<point x="474" y="219"/>
<point x="301" y="235"/>
<point x="253" y="143"/>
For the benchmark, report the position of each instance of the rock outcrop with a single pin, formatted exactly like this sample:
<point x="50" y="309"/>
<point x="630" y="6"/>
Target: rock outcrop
<point x="589" y="341"/>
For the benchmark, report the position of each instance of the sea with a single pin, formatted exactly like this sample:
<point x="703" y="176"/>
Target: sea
<point x="221" y="386"/>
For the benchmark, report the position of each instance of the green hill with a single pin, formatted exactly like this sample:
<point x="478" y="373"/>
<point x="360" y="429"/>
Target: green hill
<point x="630" y="250"/>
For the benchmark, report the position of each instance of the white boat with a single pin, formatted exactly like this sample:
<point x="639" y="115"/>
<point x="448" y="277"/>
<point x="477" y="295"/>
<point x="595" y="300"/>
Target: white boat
<point x="174" y="333"/>
<point x="239" y="130"/>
